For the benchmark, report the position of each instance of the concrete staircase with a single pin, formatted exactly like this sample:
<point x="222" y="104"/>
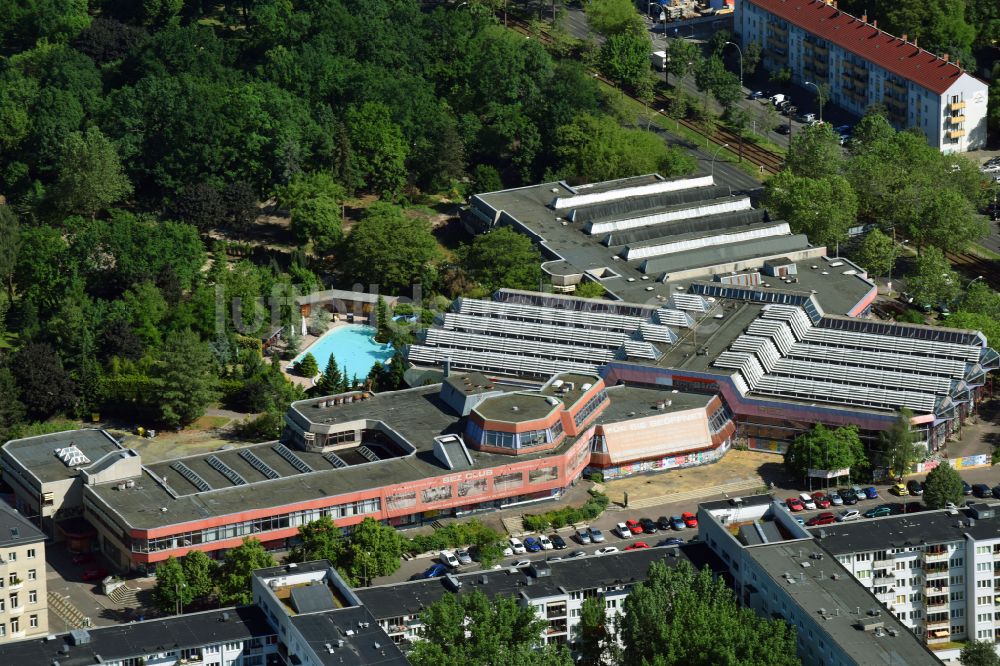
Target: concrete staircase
<point x="125" y="596"/>
<point x="514" y="525"/>
<point x="732" y="489"/>
<point x="67" y="612"/>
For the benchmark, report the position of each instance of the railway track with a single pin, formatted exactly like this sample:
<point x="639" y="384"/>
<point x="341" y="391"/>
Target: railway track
<point x="768" y="161"/>
<point x="972" y="267"/>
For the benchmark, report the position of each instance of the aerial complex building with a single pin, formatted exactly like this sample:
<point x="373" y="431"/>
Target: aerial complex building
<point x="23" y="582"/>
<point x="863" y="66"/>
<point x="531" y="390"/>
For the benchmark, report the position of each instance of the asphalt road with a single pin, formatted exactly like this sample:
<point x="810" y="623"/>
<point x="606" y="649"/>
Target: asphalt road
<point x="413" y="569"/>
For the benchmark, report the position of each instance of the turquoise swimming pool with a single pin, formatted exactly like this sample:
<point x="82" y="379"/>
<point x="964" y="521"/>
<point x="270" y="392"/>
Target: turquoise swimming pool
<point x="353" y="346"/>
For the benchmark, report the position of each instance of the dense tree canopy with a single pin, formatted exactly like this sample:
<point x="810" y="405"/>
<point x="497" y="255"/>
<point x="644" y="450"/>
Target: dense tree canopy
<point x="825" y="449"/>
<point x="943" y="486"/>
<point x="688" y="618"/>
<point x="503" y="258"/>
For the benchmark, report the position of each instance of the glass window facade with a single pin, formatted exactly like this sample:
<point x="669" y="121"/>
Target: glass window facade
<point x="590" y="407"/>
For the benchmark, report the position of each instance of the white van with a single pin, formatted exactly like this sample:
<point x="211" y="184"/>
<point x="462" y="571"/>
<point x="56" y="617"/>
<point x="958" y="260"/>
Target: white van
<point x="777" y="99"/>
<point x="448" y="558"/>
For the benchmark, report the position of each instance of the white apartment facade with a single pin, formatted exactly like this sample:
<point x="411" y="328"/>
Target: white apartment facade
<point x="863" y="66"/>
<point x="937" y="572"/>
<point x="23" y="590"/>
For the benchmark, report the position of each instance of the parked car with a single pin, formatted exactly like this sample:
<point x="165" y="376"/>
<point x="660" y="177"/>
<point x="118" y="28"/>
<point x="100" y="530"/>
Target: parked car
<point x="531" y="545"/>
<point x="824" y="518"/>
<point x="878" y="512"/>
<point x="623" y="531"/>
<point x="835" y="498"/>
<point x="996" y="491"/>
<point x="783" y="129"/>
<point x="871" y="492"/>
<point x="648" y="526"/>
<point x="663" y="523"/>
<point x="633" y="525"/>
<point x="859" y="492"/>
<point x="899" y="489"/>
<point x="596" y="535"/>
<point x="448" y="559"/>
<point x="848" y="515"/>
<point x="558" y="542"/>
<point x="554" y="558"/>
<point x="606" y="550"/>
<point x="914" y="507"/>
<point x="83" y="558"/>
<point x="756" y="94"/>
<point x="434" y="572"/>
<point x="807" y="501"/>
<point x="806" y="117"/>
<point x="793" y="504"/>
<point x="821" y="500"/>
<point x="637" y="545"/>
<point x="463" y="556"/>
<point x="672" y="541"/>
<point x="583" y="535"/>
<point x="849" y="496"/>
<point x="981" y="490"/>
<point x="915" y="487"/>
<point x="896" y="509"/>
<point x="676" y="522"/>
<point x="508" y="551"/>
<point x="966" y="488"/>
<point x="690" y="520"/>
<point x="544" y="541"/>
<point x="521" y="563"/>
<point x="517" y="546"/>
<point x="576" y="553"/>
<point x="97" y="573"/>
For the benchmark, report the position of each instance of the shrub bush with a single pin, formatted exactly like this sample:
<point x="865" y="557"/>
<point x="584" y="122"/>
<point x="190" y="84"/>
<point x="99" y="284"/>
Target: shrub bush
<point x="568" y="515"/>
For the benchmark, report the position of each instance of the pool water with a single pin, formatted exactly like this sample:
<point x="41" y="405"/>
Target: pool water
<point x="354" y="348"/>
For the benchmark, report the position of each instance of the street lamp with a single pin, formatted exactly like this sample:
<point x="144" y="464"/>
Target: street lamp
<point x="819" y="101"/>
<point x="973" y="281"/>
<point x="740" y="51"/>
<point x="712" y="174"/>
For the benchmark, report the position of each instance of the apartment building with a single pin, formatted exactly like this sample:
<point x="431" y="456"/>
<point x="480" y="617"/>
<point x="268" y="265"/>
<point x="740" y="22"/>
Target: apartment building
<point x="863" y="66"/>
<point x="938" y="572"/>
<point x="23" y="593"/>
<point x="780" y="571"/>
<point x="556" y="590"/>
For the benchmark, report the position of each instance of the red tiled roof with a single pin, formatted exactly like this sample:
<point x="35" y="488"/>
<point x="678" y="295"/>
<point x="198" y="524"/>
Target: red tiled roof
<point x="854" y="35"/>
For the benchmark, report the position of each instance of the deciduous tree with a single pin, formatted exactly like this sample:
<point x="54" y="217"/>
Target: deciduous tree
<point x="503" y="258"/>
<point x="171" y="586"/>
<point x="897" y="447"/>
<point x="613" y="17"/>
<point x="319" y="540"/>
<point x="815" y="152"/>
<point x="388" y="249"/>
<point x="933" y="281"/>
<point x="696" y="620"/>
<point x="878" y="253"/>
<point x="822" y="208"/>
<point x="46" y="388"/>
<point x="594" y="632"/>
<point x="826" y="449"/>
<point x="91" y="176"/>
<point x="199" y="574"/>
<point x="237" y="569"/>
<point x="943" y="485"/>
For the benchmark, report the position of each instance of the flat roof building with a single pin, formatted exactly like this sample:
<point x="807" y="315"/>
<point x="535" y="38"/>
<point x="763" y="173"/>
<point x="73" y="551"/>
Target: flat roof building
<point x="779" y="571"/>
<point x="863" y="66"/>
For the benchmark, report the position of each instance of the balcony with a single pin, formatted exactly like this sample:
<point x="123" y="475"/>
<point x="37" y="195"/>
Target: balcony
<point x="777" y="29"/>
<point x="936" y="555"/>
<point x="555" y="611"/>
<point x="883" y="579"/>
<point x="883" y="564"/>
<point x="956" y="106"/>
<point x="938" y="636"/>
<point x="936" y="601"/>
<point x="15" y="586"/>
<point x="886" y="597"/>
<point x="956" y="133"/>
<point x="895" y="86"/>
<point x="958" y="120"/>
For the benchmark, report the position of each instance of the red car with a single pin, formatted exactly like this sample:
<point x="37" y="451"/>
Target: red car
<point x="95" y="574"/>
<point x="637" y="545"/>
<point x="689" y="519"/>
<point x="82" y="558"/>
<point x="825" y="518"/>
<point x="793" y="504"/>
<point x="822" y="501"/>
<point x="634" y="526"/>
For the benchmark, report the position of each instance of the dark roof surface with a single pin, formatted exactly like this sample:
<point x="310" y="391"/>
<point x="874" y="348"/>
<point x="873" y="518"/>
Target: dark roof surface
<point x="142" y="638"/>
<point x="15" y="529"/>
<point x="364" y="642"/>
<point x="908" y="530"/>
<point x="37" y="454"/>
<point x="852" y="34"/>
<point x="626" y="567"/>
<point x="312" y="598"/>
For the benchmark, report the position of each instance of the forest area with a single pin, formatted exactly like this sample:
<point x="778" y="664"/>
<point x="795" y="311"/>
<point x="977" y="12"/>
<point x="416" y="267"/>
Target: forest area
<point x="142" y="141"/>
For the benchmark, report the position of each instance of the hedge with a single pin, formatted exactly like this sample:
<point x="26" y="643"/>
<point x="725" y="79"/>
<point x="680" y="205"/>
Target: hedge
<point x="569" y="515"/>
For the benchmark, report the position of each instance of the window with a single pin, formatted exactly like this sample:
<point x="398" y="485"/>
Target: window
<point x="984" y="601"/>
<point x="32" y="574"/>
<point x="31" y="553"/>
<point x="13" y="600"/>
<point x="3" y="629"/>
<point x="12" y="577"/>
<point x="15" y="625"/>
<point x="12" y="556"/>
<point x="32" y="596"/>
<point x="33" y="621"/>
<point x="957" y="612"/>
